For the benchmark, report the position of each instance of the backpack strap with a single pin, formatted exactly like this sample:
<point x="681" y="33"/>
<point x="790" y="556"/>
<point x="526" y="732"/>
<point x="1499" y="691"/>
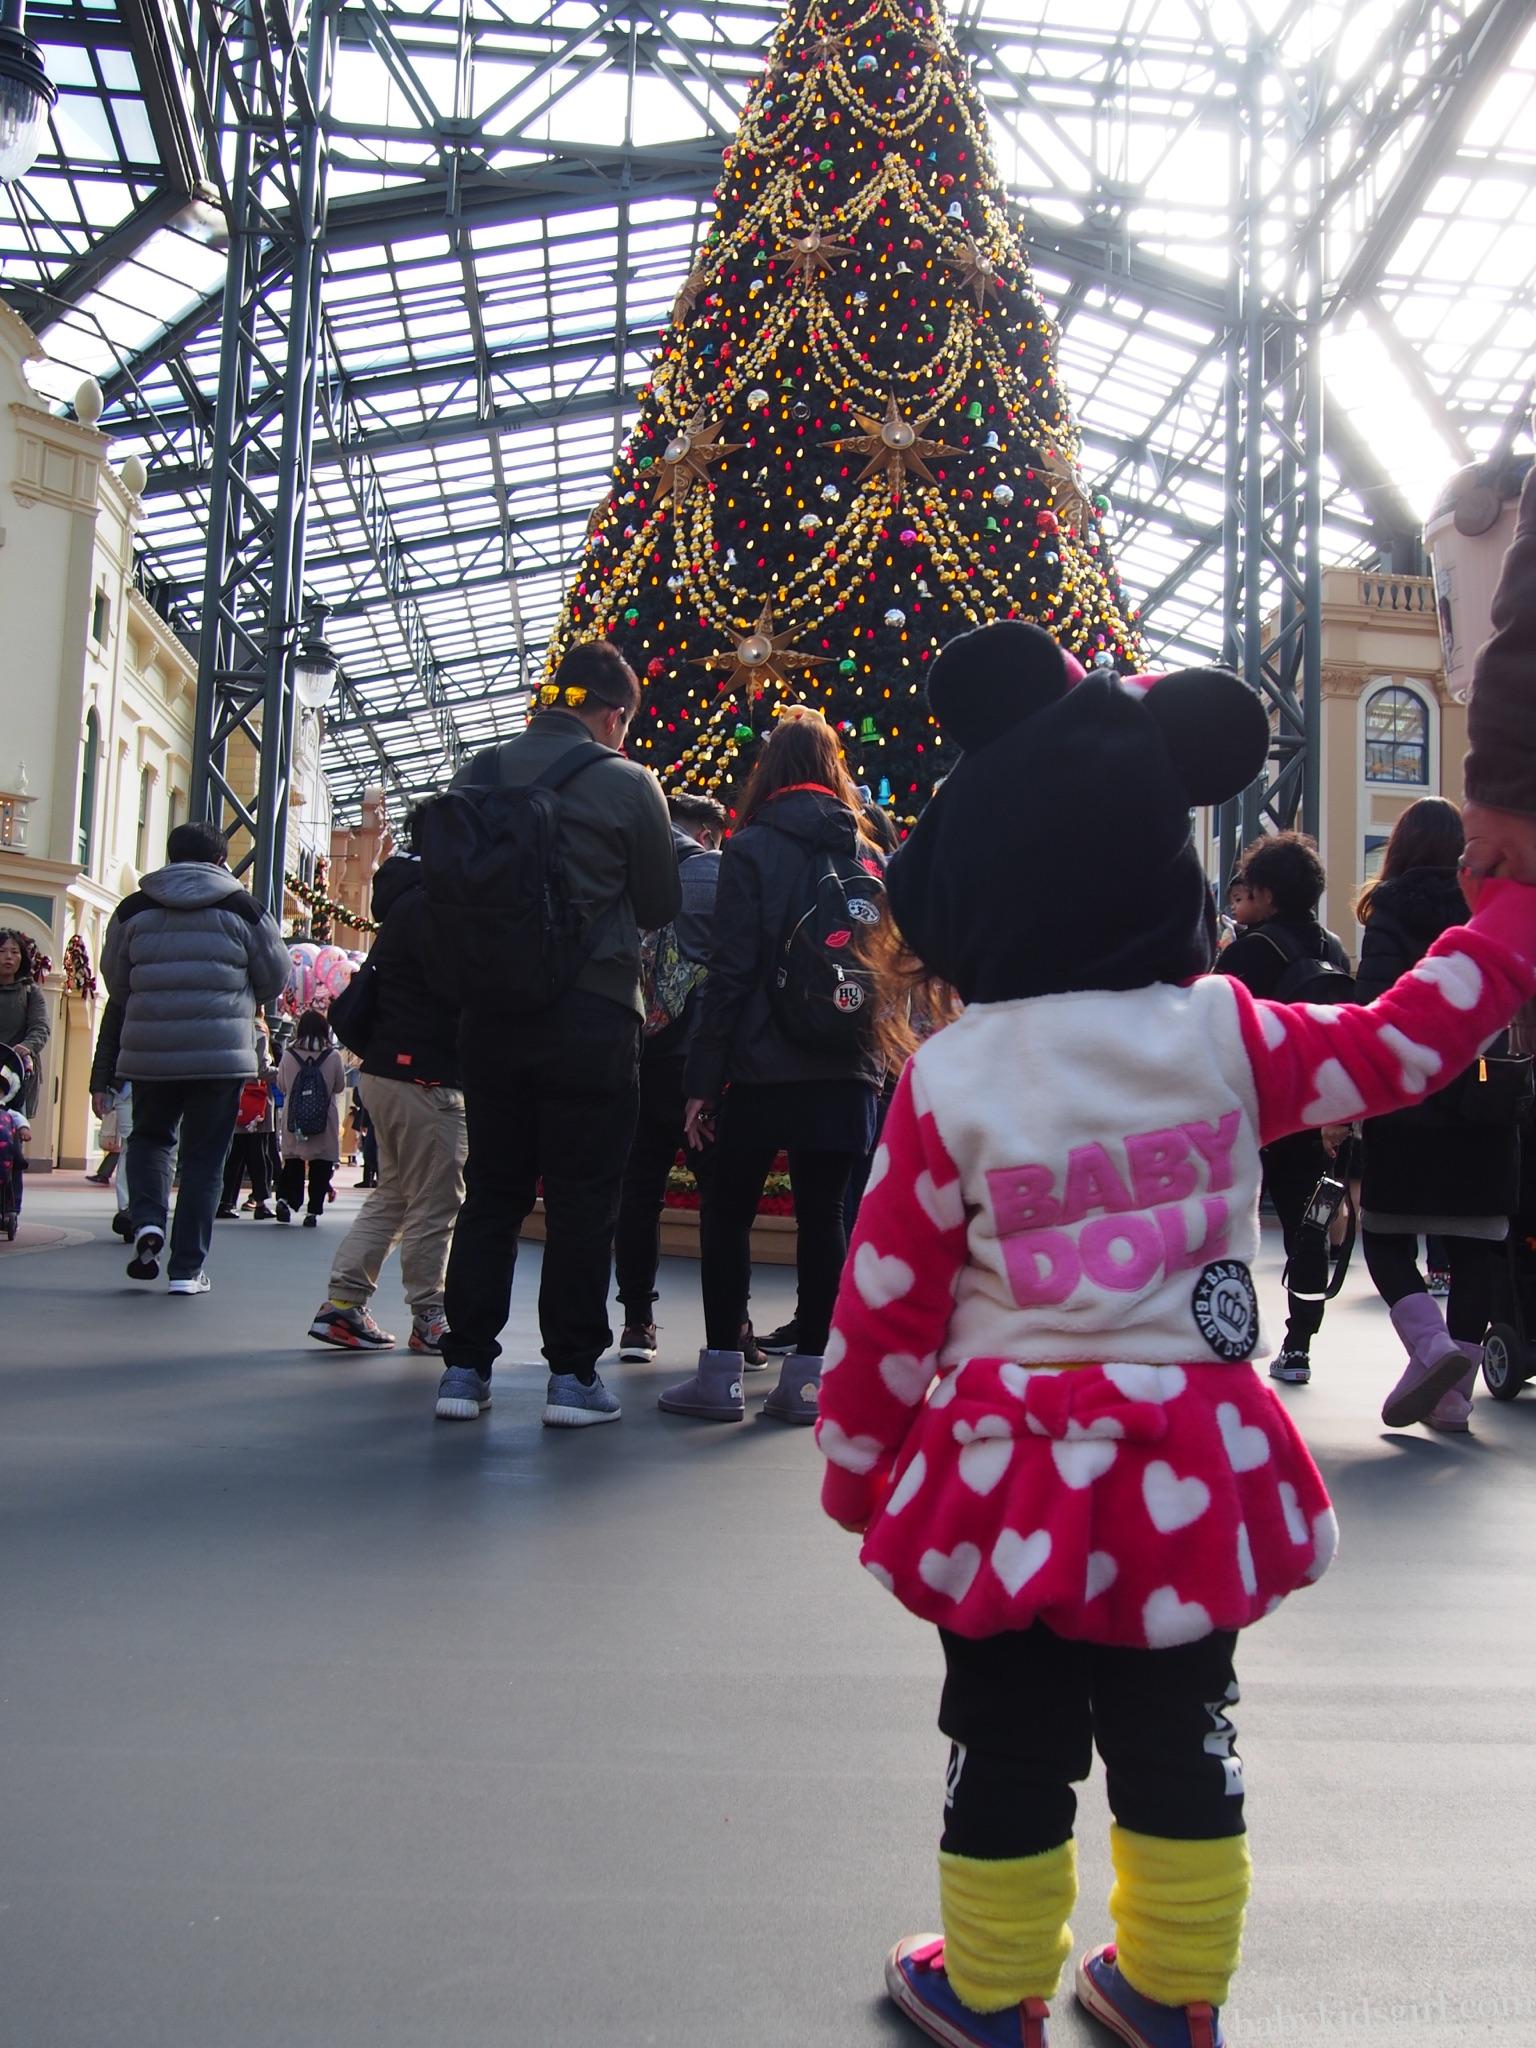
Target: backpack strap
<point x="570" y="764"/>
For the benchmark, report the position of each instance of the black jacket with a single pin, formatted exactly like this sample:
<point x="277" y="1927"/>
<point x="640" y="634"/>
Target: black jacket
<point x="415" y="1029"/>
<point x="737" y="1037"/>
<point x="1426" y="1161"/>
<point x="1258" y="962"/>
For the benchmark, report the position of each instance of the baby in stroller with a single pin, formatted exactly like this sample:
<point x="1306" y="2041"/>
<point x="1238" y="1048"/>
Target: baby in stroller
<point x="15" y="1135"/>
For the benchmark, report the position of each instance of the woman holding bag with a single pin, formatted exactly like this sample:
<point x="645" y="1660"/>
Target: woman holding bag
<point x="1432" y="1168"/>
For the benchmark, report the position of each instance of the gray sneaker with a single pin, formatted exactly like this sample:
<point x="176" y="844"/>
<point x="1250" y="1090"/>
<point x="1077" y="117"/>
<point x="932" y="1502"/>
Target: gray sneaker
<point x="572" y="1404"/>
<point x="462" y="1396"/>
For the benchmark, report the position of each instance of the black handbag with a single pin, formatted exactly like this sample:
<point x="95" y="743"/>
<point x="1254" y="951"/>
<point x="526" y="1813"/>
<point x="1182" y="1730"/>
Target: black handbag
<point x="1498" y="1089"/>
<point x="354" y="1012"/>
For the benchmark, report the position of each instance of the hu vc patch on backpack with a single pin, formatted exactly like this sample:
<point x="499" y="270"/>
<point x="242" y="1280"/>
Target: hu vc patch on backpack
<point x="821" y="992"/>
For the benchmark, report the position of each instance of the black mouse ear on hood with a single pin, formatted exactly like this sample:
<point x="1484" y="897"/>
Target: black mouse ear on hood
<point x="1215" y="728"/>
<point x="988" y="681"/>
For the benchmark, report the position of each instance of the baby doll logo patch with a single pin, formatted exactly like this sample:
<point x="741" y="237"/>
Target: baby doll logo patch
<point x="1227" y="1309"/>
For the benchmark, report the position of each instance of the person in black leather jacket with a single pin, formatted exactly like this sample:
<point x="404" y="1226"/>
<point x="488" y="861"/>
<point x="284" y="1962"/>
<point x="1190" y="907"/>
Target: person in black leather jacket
<point x="754" y="1090"/>
<point x="1273" y="898"/>
<point x="1427" y="1168"/>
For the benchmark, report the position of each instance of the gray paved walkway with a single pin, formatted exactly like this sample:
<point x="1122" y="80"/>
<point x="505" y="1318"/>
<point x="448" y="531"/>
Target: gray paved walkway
<point x="323" y="1727"/>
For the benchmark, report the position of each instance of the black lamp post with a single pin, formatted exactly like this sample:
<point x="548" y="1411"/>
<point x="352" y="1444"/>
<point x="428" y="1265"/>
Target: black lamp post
<point x="26" y="95"/>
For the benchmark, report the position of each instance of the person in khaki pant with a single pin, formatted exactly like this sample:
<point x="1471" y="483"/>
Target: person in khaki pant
<point x="410" y="1087"/>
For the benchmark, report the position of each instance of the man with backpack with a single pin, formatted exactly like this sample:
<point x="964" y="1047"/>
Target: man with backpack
<point x="1283" y="954"/>
<point x="191" y="956"/>
<point x="543" y="864"/>
<point x="675" y="962"/>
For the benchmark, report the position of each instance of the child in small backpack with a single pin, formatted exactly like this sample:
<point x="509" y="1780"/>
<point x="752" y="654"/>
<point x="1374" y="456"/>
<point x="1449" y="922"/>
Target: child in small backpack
<point x="312" y="1079"/>
<point x="1039" y="1406"/>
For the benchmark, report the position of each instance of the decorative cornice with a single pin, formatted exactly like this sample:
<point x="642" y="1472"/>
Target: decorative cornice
<point x="15" y="329"/>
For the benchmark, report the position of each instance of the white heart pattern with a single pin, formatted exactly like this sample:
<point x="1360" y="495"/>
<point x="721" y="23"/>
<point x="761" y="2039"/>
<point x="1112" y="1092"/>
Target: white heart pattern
<point x="1147" y="1382"/>
<point x="1337" y="1101"/>
<point x="1016" y="1378"/>
<point x="1017" y="1558"/>
<point x="947" y="1388"/>
<point x="1245" y="1570"/>
<point x="1295" y="1521"/>
<point x="986" y="1458"/>
<point x="1420" y="1063"/>
<point x="881" y="1576"/>
<point x="943" y="1206"/>
<point x="1247" y="1445"/>
<point x="1458" y="978"/>
<point x="1325" y="1543"/>
<point x="1102" y="1574"/>
<point x="853" y="1453"/>
<point x="880" y="1280"/>
<point x="1272" y="1025"/>
<point x="834" y="1354"/>
<point x="1082" y="1460"/>
<point x="1168" y="1620"/>
<point x="907" y="1484"/>
<point x="906" y="1377"/>
<point x="879" y="1167"/>
<point x="1172" y="1502"/>
<point x="952" y="1572"/>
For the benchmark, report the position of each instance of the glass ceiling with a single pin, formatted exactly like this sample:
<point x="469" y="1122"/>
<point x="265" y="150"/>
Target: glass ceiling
<point x="515" y="194"/>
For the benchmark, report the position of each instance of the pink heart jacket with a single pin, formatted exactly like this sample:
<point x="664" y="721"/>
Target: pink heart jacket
<point x="1038" y="1392"/>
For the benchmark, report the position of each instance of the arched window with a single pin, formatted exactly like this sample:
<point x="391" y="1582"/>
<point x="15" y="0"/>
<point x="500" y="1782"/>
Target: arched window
<point x="85" y="829"/>
<point x="1397" y="737"/>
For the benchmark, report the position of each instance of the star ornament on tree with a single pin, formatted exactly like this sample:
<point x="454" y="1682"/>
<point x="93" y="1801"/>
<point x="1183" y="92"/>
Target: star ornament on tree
<point x="686" y="299"/>
<point x="813" y="253"/>
<point x="974" y="271"/>
<point x="1069" y="500"/>
<point x="896" y="446"/>
<point x="762" y="657"/>
<point x="686" y="458"/>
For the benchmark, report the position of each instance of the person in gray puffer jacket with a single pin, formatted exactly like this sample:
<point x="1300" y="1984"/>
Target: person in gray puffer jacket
<point x="191" y="956"/>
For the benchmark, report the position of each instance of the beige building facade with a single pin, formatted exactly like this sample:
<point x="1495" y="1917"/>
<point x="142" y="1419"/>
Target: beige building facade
<point x="96" y="706"/>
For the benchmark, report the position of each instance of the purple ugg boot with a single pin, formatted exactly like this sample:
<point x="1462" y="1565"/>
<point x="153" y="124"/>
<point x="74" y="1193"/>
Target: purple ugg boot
<point x="1435" y="1361"/>
<point x="1452" y="1413"/>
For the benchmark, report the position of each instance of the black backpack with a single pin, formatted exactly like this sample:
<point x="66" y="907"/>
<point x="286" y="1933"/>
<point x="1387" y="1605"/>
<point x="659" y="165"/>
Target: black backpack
<point x="309" y="1100"/>
<point x="490" y="863"/>
<point x="1305" y="978"/>
<point x="820" y="994"/>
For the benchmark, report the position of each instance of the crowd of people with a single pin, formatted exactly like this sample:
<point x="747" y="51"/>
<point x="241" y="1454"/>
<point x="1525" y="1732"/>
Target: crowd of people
<point x="1017" y="1058"/>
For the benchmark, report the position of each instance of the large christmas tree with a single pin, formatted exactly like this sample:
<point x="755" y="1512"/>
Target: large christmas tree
<point x="854" y="444"/>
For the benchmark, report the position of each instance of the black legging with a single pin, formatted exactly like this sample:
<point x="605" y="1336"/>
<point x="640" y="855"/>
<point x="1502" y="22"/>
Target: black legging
<point x="290" y="1183"/>
<point x="730" y="1201"/>
<point x="1292" y="1168"/>
<point x="1392" y="1259"/>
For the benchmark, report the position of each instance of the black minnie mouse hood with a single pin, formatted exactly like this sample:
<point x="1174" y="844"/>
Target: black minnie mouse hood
<point x="1059" y="854"/>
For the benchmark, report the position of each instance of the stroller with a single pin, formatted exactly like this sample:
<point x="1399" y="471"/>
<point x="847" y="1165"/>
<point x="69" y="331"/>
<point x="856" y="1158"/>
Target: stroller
<point x="1509" y="1349"/>
<point x="13" y="1079"/>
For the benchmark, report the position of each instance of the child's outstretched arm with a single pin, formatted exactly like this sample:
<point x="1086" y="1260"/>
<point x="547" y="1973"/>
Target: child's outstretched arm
<point x="1315" y="1066"/>
<point x="893" y="1308"/>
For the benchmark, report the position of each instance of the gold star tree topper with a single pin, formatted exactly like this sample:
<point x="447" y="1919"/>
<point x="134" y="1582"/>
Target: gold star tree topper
<point x="895" y="445"/>
<point x="762" y="657"/>
<point x="686" y="458"/>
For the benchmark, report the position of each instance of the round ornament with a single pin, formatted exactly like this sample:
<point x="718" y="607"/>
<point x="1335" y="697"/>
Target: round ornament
<point x="757" y="398"/>
<point x="1003" y="496"/>
<point x="895" y="617"/>
<point x="810" y="522"/>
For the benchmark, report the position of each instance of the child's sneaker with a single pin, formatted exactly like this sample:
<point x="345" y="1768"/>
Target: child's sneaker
<point x="350" y="1326"/>
<point x="1142" y="2022"/>
<point x="915" y="1978"/>
<point x="1439" y="1283"/>
<point x="1294" y="1367"/>
<point x="637" y="1343"/>
<point x="462" y="1395"/>
<point x="428" y="1332"/>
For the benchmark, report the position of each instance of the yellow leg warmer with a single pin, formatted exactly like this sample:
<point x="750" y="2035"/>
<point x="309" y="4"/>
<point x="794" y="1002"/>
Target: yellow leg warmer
<point x="1178" y="1913"/>
<point x="1005" y="1925"/>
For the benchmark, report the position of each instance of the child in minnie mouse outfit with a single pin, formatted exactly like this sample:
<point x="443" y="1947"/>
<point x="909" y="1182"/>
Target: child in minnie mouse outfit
<point x="1038" y="1402"/>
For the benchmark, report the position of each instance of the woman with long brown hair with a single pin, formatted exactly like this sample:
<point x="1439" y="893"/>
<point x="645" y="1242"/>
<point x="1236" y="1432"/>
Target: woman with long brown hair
<point x="1428" y="1169"/>
<point x="763" y="1078"/>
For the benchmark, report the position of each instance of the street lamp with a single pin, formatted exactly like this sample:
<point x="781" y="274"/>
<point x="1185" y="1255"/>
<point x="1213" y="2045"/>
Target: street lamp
<point x="26" y="95"/>
<point x="314" y="665"/>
